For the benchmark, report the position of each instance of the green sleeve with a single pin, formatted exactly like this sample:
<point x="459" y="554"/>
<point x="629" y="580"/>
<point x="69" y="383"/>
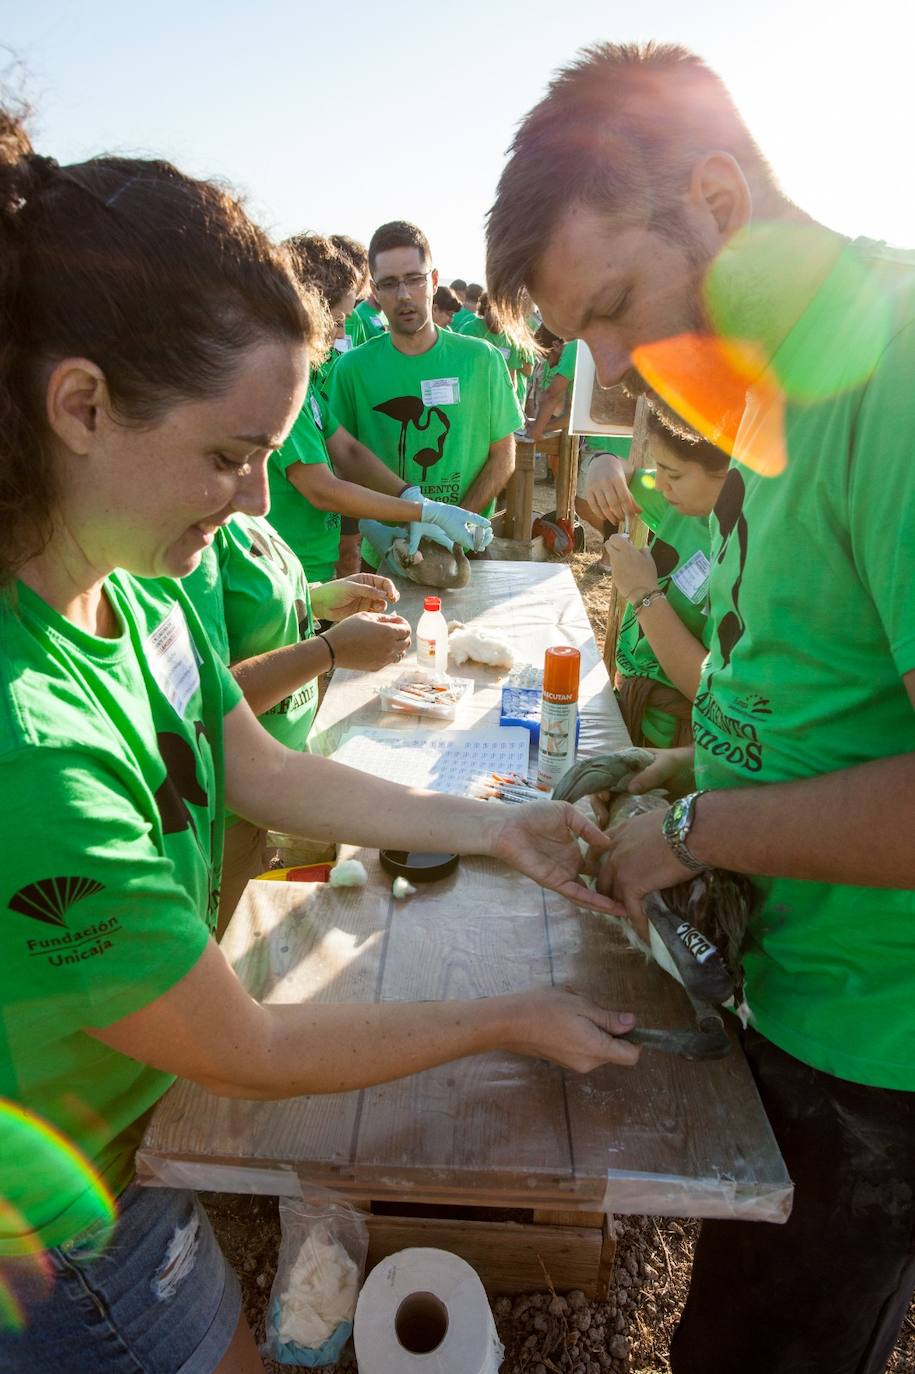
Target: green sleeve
<point x="306" y="442"/>
<point x="329" y="421"/>
<point x="340" y="396"/>
<point x="566" y="365"/>
<point x="505" y="413"/>
<point x="83" y="877"/>
<point x="881" y="496"/>
<point x="203" y="588"/>
<point x="621" y="444"/>
<point x="355" y="329"/>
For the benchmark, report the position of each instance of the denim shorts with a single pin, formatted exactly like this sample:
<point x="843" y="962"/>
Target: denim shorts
<point x="159" y="1299"/>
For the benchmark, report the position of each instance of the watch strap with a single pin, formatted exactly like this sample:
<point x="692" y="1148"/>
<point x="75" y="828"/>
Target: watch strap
<point x="675" y="827"/>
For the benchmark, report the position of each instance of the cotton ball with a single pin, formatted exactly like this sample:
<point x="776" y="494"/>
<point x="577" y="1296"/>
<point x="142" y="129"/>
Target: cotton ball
<point x="402" y="888"/>
<point x="481" y="647"/>
<point x="349" y="873"/>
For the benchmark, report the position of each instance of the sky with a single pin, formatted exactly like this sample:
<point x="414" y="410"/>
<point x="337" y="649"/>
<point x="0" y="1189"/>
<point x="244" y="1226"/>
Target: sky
<point x="339" y="116"/>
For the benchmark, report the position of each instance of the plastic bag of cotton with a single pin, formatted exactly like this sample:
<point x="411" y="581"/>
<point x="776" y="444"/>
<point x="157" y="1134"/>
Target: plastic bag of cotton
<point x="319" y="1271"/>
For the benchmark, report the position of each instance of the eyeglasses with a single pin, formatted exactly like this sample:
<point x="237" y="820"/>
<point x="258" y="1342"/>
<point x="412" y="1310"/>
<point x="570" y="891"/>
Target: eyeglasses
<point x="390" y="286"/>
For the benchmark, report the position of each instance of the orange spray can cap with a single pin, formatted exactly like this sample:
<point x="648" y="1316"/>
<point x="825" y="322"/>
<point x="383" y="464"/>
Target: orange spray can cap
<point x="561" y="672"/>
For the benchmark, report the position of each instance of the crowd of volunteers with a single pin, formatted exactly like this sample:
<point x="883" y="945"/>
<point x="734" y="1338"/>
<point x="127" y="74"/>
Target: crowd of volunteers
<point x="194" y="420"/>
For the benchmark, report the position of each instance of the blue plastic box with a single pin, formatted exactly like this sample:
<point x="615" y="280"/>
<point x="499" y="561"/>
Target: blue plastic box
<point x="521" y="706"/>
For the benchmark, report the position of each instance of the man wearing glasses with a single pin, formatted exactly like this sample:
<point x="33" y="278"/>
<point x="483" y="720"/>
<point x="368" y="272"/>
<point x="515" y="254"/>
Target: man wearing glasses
<point x="438" y="408"/>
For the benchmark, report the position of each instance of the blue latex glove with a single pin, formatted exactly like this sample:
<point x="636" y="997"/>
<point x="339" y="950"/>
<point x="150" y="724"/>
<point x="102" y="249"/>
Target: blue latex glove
<point x="381" y="537"/>
<point x="460" y="526"/>
<point x="288" y="1352"/>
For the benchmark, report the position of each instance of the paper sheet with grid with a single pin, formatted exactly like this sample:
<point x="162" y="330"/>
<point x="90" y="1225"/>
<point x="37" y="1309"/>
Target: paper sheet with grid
<point x="441" y="760"/>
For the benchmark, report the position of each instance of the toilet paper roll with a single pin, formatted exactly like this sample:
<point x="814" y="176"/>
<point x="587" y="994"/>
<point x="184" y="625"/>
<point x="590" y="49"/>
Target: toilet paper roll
<point x="425" y="1310"/>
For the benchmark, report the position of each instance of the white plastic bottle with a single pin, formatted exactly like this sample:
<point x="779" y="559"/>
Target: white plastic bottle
<point x="432" y="637"/>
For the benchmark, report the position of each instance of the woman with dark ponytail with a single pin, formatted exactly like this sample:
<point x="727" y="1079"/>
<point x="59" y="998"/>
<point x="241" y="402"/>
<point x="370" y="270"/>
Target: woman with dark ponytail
<point x="154" y="353"/>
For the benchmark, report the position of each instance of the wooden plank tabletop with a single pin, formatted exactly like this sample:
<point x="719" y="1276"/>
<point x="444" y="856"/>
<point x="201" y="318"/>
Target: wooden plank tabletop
<point x="668" y="1137"/>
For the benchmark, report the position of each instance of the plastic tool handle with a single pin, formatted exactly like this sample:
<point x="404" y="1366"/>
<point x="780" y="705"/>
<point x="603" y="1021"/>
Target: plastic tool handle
<point x="705" y="975"/>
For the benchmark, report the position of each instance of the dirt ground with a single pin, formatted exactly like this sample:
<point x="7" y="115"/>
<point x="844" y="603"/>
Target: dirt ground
<point x="545" y="1332"/>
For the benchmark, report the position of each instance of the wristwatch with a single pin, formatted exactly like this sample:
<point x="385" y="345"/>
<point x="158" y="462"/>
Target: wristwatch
<point x="648" y="600"/>
<point x="675" y="827"/>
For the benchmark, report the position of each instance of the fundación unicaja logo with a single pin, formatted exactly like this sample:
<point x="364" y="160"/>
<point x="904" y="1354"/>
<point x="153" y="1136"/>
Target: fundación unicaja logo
<point x="49" y="900"/>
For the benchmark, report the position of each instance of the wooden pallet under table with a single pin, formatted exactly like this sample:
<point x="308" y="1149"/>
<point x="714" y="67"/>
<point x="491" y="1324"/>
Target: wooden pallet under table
<point x="535" y="1249"/>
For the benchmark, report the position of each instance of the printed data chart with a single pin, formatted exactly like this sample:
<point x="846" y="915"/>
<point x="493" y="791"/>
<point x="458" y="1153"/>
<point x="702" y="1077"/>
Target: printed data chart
<point x="442" y="761"/>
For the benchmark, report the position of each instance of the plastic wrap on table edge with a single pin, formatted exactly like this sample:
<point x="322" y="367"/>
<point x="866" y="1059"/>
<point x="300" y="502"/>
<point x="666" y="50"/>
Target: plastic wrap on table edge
<point x="722" y="1197"/>
<point x="154" y="1171"/>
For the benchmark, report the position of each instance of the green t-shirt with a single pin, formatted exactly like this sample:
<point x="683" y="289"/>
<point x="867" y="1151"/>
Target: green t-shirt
<point x="462" y="317"/>
<point x="621" y="444"/>
<point x="111" y="825"/>
<point x="565" y="367"/>
<point x="679" y="545"/>
<point x="373" y="321"/>
<point x="312" y="534"/>
<point x="813" y="602"/>
<point x="258" y="601"/>
<point x="515" y="357"/>
<point x="356" y="331"/>
<point x="430" y="417"/>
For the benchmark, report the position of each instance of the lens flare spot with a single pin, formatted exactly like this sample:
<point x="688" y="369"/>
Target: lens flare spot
<point x="36" y="1152"/>
<point x="828" y="316"/>
<point x="705" y="380"/>
<point x="12" y="1316"/>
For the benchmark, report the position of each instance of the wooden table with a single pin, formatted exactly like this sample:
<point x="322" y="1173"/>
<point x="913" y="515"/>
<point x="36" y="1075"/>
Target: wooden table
<point x="668" y="1137"/>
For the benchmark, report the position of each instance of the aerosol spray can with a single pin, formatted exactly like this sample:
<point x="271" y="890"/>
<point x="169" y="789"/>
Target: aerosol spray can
<point x="558" y="714"/>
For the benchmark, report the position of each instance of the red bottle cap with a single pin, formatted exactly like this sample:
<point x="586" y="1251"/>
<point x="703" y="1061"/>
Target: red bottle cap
<point x="434" y="603"/>
<point x="561" y="671"/>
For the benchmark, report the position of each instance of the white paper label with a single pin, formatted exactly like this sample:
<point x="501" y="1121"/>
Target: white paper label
<point x="316" y="412"/>
<point x="506" y="353"/>
<point x="441" y="391"/>
<point x="556" y="751"/>
<point x="692" y="578"/>
<point x="378" y="321"/>
<point x="172" y="659"/>
<point x="343" y="345"/>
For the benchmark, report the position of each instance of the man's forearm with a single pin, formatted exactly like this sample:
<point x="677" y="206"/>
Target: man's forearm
<point x="853" y="826"/>
<point x="493" y="477"/>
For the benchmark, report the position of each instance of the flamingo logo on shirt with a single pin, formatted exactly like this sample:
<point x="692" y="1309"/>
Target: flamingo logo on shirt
<point x="409" y="411"/>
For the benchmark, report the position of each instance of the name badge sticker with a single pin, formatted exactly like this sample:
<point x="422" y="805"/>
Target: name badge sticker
<point x="172" y="659"/>
<point x="316" y="412"/>
<point x="441" y="391"/>
<point x="693" y="577"/>
<point x="343" y="345"/>
<point x="506" y="353"/>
